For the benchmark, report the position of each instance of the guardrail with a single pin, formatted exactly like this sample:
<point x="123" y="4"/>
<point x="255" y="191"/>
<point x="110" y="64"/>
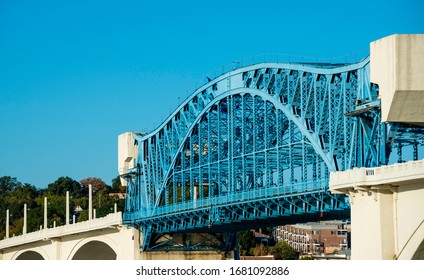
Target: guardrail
<point x="112" y="219"/>
<point x="269" y="192"/>
<point x="385" y="174"/>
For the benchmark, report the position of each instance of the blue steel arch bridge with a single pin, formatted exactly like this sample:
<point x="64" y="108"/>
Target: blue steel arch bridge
<point x="254" y="147"/>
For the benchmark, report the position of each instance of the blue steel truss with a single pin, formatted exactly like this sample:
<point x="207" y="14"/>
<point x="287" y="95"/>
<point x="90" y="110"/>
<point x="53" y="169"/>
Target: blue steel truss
<point x="255" y="147"/>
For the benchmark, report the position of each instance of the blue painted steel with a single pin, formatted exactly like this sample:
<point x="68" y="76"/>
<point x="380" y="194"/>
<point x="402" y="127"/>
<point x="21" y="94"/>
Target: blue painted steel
<point x="257" y="144"/>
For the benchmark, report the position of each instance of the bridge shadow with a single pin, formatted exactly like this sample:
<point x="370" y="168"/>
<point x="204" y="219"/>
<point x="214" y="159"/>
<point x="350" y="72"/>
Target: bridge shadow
<point x="95" y="250"/>
<point x="30" y="255"/>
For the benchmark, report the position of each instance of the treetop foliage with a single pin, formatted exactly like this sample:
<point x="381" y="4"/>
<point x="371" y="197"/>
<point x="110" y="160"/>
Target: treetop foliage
<point x="249" y="247"/>
<point x="63" y="184"/>
<point x="14" y="194"/>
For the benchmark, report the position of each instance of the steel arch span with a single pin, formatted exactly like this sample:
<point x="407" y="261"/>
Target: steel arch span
<point x="254" y="147"/>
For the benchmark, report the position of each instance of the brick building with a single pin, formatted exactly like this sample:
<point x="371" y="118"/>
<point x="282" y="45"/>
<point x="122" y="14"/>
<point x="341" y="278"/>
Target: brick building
<point x="325" y="237"/>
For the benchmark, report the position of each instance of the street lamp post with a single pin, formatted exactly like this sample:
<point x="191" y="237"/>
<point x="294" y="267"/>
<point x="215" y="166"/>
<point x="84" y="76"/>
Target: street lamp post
<point x="25" y="219"/>
<point x="7" y="223"/>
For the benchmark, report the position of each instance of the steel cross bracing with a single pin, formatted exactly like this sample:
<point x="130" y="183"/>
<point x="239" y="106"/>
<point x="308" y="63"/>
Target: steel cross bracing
<point x="255" y="146"/>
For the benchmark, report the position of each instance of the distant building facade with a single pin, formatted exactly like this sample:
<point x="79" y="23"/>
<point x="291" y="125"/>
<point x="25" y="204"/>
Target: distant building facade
<point x="325" y="237"/>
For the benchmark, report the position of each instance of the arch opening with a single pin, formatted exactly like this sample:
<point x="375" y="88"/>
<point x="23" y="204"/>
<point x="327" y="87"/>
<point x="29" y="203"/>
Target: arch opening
<point x="30" y="255"/>
<point x="419" y="253"/>
<point x="95" y="250"/>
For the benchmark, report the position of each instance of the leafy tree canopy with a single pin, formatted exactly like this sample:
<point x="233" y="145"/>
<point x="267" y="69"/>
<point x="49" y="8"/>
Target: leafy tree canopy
<point x="96" y="183"/>
<point x="14" y="194"/>
<point x="247" y="243"/>
<point x="63" y="184"/>
<point x="283" y="251"/>
<point x="7" y="184"/>
<point x="117" y="186"/>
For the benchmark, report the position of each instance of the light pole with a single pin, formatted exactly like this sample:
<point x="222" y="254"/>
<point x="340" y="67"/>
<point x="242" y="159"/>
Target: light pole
<point x="45" y="212"/>
<point x="7" y="223"/>
<point x="25" y="219"/>
<point x="67" y="208"/>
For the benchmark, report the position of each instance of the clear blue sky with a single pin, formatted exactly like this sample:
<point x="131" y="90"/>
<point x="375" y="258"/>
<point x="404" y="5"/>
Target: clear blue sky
<point x="76" y="74"/>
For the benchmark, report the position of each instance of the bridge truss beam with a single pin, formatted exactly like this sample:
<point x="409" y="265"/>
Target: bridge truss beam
<point x="257" y="144"/>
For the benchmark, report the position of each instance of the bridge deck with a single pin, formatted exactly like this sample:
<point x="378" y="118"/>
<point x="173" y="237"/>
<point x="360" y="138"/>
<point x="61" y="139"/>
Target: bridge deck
<point x="113" y="219"/>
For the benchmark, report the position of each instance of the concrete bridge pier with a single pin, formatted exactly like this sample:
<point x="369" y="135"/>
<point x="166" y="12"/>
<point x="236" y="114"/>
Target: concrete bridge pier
<point x="387" y="203"/>
<point x="387" y="210"/>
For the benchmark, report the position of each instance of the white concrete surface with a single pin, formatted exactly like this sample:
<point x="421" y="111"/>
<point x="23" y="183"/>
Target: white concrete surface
<point x="387" y="210"/>
<point x="62" y="243"/>
<point x="397" y="66"/>
<point x="127" y="154"/>
<point x="67" y="208"/>
<point x="7" y="223"/>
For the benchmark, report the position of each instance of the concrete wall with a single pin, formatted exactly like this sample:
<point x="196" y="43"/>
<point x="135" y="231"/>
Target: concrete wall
<point x="127" y="153"/>
<point x="122" y="240"/>
<point x="397" y="66"/>
<point x="94" y="239"/>
<point x="410" y="218"/>
<point x="62" y="243"/>
<point x="372" y="225"/>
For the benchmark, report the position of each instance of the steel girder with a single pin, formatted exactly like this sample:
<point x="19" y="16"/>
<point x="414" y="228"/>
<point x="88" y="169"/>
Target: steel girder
<point x="256" y="144"/>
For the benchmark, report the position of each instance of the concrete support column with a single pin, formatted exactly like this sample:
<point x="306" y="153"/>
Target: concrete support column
<point x="387" y="210"/>
<point x="25" y="219"/>
<point x="115" y="208"/>
<point x="73" y="219"/>
<point x="45" y="212"/>
<point x="67" y="208"/>
<point x="7" y="223"/>
<point x="372" y="224"/>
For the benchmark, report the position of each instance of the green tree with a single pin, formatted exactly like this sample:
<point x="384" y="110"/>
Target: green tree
<point x="117" y="186"/>
<point x="13" y="196"/>
<point x="7" y="184"/>
<point x="283" y="251"/>
<point x="56" y="199"/>
<point x="63" y="184"/>
<point x="246" y="241"/>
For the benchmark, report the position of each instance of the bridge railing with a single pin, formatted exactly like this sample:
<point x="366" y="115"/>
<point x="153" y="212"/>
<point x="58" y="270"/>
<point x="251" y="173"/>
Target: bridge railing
<point x="45" y="234"/>
<point x="371" y="176"/>
<point x="270" y="192"/>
